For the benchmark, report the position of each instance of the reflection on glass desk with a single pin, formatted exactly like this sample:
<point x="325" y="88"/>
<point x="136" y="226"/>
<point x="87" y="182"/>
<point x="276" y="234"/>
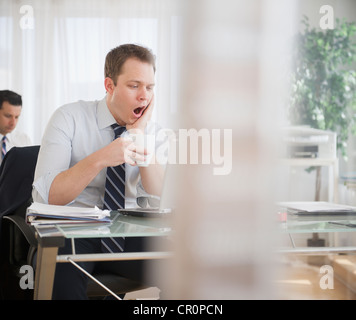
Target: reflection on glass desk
<point x="318" y="223"/>
<point x="120" y="226"/>
<point x="51" y="237"/>
<point x="315" y="224"/>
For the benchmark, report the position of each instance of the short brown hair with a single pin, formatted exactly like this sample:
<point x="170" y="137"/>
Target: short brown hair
<point x="118" y="56"/>
<point x="11" y="97"/>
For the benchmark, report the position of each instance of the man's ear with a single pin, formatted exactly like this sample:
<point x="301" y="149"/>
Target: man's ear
<point x="109" y="85"/>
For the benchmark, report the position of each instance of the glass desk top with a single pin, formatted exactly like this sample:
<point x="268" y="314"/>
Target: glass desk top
<point x="318" y="223"/>
<point x="120" y="226"/>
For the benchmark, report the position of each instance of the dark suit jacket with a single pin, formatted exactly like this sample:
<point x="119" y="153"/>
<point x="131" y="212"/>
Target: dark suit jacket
<point x="16" y="178"/>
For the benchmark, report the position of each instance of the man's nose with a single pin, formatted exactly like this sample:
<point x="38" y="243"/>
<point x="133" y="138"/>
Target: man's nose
<point x="144" y="94"/>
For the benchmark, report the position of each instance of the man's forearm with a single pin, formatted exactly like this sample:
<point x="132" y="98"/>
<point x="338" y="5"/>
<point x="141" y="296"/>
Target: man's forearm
<point x="68" y="184"/>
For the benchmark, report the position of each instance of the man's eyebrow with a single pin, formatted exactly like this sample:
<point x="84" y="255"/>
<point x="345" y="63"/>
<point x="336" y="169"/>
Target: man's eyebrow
<point x="138" y="81"/>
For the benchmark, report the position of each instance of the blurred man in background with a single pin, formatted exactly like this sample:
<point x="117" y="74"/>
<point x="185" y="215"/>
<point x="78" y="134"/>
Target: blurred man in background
<point x="10" y="111"/>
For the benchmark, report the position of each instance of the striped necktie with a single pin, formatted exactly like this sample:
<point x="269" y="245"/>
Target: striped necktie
<point x="114" y="197"/>
<point x="3" y="147"/>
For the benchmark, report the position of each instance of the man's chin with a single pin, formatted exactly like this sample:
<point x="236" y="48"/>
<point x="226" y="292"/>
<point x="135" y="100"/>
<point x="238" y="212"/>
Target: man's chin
<point x="134" y="120"/>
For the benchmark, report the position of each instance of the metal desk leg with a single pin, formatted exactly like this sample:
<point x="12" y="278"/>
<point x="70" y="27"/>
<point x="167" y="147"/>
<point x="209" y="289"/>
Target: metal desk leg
<point x="291" y="239"/>
<point x="49" y="240"/>
<point x="46" y="266"/>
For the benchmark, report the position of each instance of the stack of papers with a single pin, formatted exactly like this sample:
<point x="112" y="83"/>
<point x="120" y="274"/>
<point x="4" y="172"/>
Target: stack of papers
<point x="317" y="207"/>
<point x="39" y="213"/>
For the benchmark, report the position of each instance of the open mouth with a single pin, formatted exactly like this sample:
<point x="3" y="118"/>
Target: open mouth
<point x="138" y="111"/>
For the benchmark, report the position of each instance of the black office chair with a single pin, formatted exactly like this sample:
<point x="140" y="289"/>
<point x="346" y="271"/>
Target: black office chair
<point x="18" y="241"/>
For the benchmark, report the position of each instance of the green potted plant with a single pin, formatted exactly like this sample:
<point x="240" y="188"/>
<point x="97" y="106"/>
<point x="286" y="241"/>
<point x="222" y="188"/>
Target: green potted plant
<point x="323" y="83"/>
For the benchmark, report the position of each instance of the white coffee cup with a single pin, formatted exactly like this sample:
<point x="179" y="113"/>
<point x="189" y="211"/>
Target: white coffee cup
<point x="146" y="141"/>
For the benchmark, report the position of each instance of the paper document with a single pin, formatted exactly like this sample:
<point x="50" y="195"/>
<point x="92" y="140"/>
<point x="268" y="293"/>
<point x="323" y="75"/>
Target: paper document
<point x="317" y="207"/>
<point x="39" y="213"/>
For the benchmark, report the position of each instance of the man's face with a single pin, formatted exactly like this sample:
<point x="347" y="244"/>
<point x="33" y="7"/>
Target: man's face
<point x="132" y="93"/>
<point x="9" y="116"/>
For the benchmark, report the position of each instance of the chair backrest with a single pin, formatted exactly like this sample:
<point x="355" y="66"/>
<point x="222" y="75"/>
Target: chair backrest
<point x="16" y="177"/>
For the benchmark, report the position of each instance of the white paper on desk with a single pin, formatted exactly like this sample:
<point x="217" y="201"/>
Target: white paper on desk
<point x="316" y="206"/>
<point x="37" y="209"/>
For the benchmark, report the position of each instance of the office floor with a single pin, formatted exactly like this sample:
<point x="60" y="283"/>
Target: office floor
<point x="300" y="278"/>
<point x="145" y="294"/>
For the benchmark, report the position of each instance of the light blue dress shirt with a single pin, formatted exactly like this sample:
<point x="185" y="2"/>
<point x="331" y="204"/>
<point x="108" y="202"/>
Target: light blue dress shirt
<point x="75" y="131"/>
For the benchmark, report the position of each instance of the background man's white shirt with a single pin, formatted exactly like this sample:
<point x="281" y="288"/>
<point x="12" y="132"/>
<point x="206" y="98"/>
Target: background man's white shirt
<point x="16" y="138"/>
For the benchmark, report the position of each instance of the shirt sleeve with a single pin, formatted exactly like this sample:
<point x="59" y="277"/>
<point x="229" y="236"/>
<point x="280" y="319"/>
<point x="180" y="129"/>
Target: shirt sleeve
<point x="55" y="154"/>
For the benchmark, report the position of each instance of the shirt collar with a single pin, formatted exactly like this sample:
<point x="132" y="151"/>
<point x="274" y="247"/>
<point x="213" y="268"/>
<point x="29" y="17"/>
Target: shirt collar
<point x="8" y="136"/>
<point x="104" y="116"/>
